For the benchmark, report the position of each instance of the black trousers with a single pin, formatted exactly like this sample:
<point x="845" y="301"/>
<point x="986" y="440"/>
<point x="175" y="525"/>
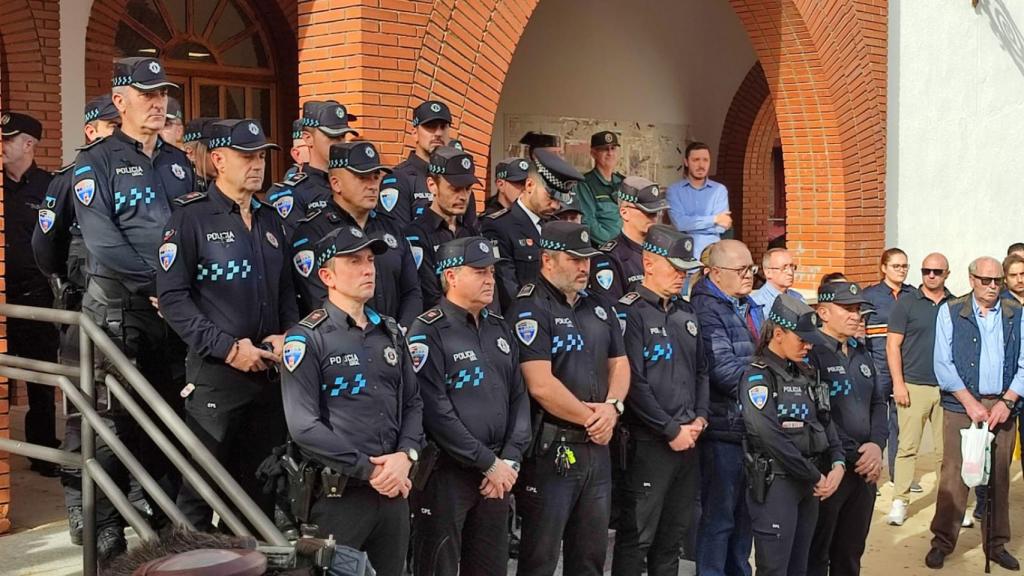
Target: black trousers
<point x="657" y="508"/>
<point x="364" y="519"/>
<point x="570" y="511"/>
<point x="783" y="527"/>
<point x="38" y="341"/>
<point x="455" y="529"/>
<point x="239" y="418"/>
<point x="842" y="531"/>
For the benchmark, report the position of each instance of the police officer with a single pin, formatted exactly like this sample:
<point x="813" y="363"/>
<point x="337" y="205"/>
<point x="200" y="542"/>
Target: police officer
<point x="225" y="287"/>
<point x="598" y="189"/>
<point x="174" y="125"/>
<point x="299" y="151"/>
<point x="666" y="410"/>
<point x="790" y="440"/>
<point x="352" y="402"/>
<point x="574" y="364"/>
<point x="451" y="182"/>
<point x="475" y="408"/>
<point x="25" y="186"/>
<point x="533" y="141"/>
<point x="124" y="185"/>
<point x="194" y="142"/>
<point x="569" y="211"/>
<point x="516" y="230"/>
<point x="620" y="267"/>
<point x="860" y="415"/>
<point x="324" y="123"/>
<point x="355" y="174"/>
<point x="509" y="176"/>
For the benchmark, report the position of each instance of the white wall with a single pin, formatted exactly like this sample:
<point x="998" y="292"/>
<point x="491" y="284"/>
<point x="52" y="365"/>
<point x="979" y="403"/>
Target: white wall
<point x="955" y="180"/>
<point x="646" y="61"/>
<point x="74" y="18"/>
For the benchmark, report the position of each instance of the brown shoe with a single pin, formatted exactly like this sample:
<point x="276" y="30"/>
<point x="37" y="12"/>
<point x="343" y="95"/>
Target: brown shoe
<point x="935" y="559"/>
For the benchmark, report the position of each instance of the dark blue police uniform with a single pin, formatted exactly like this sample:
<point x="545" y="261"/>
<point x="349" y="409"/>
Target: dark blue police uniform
<point x="475" y="408"/>
<point x="222" y="281"/>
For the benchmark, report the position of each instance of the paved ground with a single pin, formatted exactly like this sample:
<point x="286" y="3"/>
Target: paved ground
<point x="39" y="542"/>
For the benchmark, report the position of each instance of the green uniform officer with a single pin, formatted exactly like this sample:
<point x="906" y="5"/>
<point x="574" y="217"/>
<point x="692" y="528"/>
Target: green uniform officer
<point x="597" y="191"/>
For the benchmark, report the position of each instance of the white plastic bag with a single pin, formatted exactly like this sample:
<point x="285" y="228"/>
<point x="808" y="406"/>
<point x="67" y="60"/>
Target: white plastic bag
<point x="975" y="443"/>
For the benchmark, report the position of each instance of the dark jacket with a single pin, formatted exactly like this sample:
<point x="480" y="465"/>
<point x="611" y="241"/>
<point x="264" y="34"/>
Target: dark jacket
<point x="729" y="347"/>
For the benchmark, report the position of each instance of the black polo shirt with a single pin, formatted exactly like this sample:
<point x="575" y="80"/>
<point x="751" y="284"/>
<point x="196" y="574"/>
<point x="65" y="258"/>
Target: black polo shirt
<point x="475" y="405"/>
<point x="350" y="393"/>
<point x="311" y="190"/>
<point x="22" y="202"/>
<point x="618" y="269"/>
<point x="668" y="384"/>
<point x="425" y="235"/>
<point x="914" y="317"/>
<point x="577" y="339"/>
<point x="220" y="281"/>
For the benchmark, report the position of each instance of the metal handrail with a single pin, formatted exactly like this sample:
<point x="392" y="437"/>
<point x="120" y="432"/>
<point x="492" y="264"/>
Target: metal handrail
<point x="82" y="396"/>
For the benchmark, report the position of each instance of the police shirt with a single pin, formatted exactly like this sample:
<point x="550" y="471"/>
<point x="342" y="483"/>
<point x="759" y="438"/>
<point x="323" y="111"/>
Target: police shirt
<point x="619" y="268"/>
<point x="518" y="241"/>
<point x="220" y="281"/>
<point x="475" y="405"/>
<point x="425" y="235"/>
<point x="668" y="371"/>
<point x="22" y="200"/>
<point x="859" y="407"/>
<point x="577" y="339"/>
<point x="782" y="419"/>
<point x="55" y="223"/>
<point x="122" y="202"/>
<point x="311" y="190"/>
<point x="281" y="196"/>
<point x="397" y="292"/>
<point x="405" y="197"/>
<point x="350" y="393"/>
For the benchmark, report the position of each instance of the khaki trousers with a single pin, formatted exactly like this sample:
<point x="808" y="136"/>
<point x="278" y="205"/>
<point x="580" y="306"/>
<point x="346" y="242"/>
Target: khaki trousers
<point x="924" y="407"/>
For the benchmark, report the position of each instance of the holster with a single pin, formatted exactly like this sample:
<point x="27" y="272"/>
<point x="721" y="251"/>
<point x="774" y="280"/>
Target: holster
<point x="423" y="467"/>
<point x="302" y="477"/>
<point x="332" y="484"/>
<point x="759" y="476"/>
<point x="622" y="447"/>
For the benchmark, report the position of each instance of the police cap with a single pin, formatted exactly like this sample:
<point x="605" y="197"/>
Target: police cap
<point x="244" y="135"/>
<point x="559" y="176"/>
<point x="429" y="111"/>
<point x="14" y="123"/>
<point x="564" y="236"/>
<point x="795" y="316"/>
<point x="329" y="117"/>
<point x="297" y="129"/>
<point x="677" y="247"/>
<point x="512" y="169"/>
<point x="643" y="194"/>
<point x="475" y="252"/>
<point x="142" y="73"/>
<point x="359" y="157"/>
<point x="456" y="166"/>
<point x="100" y="108"/>
<point x="540" y="140"/>
<point x="604" y="138"/>
<point x="173" y="109"/>
<point x="198" y="129"/>
<point x="841" y="293"/>
<point x="346" y="240"/>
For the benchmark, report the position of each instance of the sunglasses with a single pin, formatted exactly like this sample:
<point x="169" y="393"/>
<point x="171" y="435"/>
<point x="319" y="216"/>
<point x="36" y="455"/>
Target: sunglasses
<point x="985" y="281"/>
<point x="932" y="271"/>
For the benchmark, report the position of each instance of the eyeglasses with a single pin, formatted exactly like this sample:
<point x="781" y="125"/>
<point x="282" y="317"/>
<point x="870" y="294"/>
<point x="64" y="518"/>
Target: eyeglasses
<point x="985" y="281"/>
<point x="932" y="271"/>
<point x="899" y="266"/>
<point x="741" y="271"/>
<point x="791" y="268"/>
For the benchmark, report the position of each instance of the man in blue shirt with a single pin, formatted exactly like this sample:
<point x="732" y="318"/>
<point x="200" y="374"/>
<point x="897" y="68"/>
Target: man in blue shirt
<point x="699" y="206"/>
<point x="978" y="365"/>
<point x="779" y="271"/>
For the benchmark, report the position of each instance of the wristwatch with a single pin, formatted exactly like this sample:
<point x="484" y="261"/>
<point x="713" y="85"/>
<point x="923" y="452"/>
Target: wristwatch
<point x="413" y="454"/>
<point x="619" y="406"/>
<point x="1009" y="403"/>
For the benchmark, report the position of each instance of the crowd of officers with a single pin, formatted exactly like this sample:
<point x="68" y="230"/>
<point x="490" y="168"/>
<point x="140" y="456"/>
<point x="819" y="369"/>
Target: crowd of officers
<point x="430" y="362"/>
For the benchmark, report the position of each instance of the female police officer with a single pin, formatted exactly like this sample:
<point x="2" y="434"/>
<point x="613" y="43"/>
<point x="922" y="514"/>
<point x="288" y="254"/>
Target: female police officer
<point x="789" y="438"/>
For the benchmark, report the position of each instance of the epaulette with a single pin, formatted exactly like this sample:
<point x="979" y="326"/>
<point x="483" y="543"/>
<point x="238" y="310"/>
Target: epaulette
<point x="496" y="215"/>
<point x="64" y="169"/>
<point x="629" y="298"/>
<point x="296" y="178"/>
<point x="608" y="246"/>
<point x="314" y="319"/>
<point x="759" y="365"/>
<point x="526" y="290"/>
<point x="309" y="217"/>
<point x="90" y="144"/>
<point x="494" y="315"/>
<point x="431" y="316"/>
<point x="189" y="198"/>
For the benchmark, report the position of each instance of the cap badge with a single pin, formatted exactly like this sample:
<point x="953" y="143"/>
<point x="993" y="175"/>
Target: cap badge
<point x="608" y="137"/>
<point x="5" y="119"/>
<point x="584" y="236"/>
<point x="356" y="232"/>
<point x="655" y="191"/>
<point x="485" y="247"/>
<point x="154" y="67"/>
<point x="370" y="153"/>
<point x="853" y="289"/>
<point x="524" y="165"/>
<point x="339" y="112"/>
<point x="467" y="163"/>
<point x="688" y="245"/>
<point x="254" y="129"/>
<point x="435" y="107"/>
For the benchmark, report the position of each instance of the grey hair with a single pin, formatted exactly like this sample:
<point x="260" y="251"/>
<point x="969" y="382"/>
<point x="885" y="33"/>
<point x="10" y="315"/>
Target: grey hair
<point x="444" y="281"/>
<point x="766" y="261"/>
<point x="972" y="269"/>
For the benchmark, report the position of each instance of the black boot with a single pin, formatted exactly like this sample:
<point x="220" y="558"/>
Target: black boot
<point x="110" y="543"/>
<point x="75" y="524"/>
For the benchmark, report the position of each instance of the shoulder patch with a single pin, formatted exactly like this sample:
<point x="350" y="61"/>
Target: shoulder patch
<point x="496" y="215"/>
<point x="431" y="316"/>
<point x="296" y="178"/>
<point x="90" y="144"/>
<point x="314" y="319"/>
<point x="629" y="298"/>
<point x="526" y="290"/>
<point x="309" y="217"/>
<point x="608" y="246"/>
<point x="64" y="169"/>
<point x="189" y="198"/>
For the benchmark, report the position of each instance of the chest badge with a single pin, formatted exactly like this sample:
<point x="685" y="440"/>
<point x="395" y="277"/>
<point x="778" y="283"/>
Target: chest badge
<point x="600" y="313"/>
<point x="168" y="252"/>
<point x="46" y="218"/>
<point x="85" y="190"/>
<point x="303" y="262"/>
<point x="391" y="241"/>
<point x="284" y="206"/>
<point x="388" y="198"/>
<point x="293" y="352"/>
<point x="758" y="396"/>
<point x="691" y="327"/>
<point x="417" y="256"/>
<point x="503" y="345"/>
<point x="865" y="370"/>
<point x="272" y="239"/>
<point x="526" y="330"/>
<point x="391" y="356"/>
<point x="178" y="171"/>
<point x="605" y="278"/>
<point x="418" y="351"/>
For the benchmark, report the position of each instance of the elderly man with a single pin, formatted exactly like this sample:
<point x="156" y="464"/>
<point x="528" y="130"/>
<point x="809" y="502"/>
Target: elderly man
<point x="977" y="364"/>
<point x="599" y="187"/>
<point x="779" y="271"/>
<point x="910" y="349"/>
<point x="729" y="324"/>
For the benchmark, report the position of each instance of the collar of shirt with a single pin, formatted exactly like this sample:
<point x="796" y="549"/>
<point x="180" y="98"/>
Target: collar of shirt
<point x="348" y="218"/>
<point x="741" y="305"/>
<point x="920" y="295"/>
<point x="616" y="178"/>
<point x="994" y="312"/>
<point x="533" y="217"/>
<point x="311" y="171"/>
<point x="556" y="294"/>
<point x="1004" y="294"/>
<point x="782" y="367"/>
<point x="135" y="143"/>
<point x="434" y="221"/>
<point x="663" y="304"/>
<point x="341" y="318"/>
<point x="628" y="243"/>
<point x="708" y="183"/>
<point x="24" y="177"/>
<point x="419" y="163"/>
<point x="224" y="204"/>
<point x="461" y="315"/>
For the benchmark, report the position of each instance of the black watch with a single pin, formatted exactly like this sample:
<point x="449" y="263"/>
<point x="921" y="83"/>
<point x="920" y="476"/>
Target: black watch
<point x="1009" y="403"/>
<point x="619" y="406"/>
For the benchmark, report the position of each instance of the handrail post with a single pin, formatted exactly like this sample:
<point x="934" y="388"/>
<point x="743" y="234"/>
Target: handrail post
<point x="85" y="381"/>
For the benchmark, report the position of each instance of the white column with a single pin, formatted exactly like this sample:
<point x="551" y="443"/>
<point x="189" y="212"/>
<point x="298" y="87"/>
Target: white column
<point x="74" y="18"/>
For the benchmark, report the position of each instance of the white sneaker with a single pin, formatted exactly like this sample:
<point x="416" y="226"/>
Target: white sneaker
<point x="968" y="521"/>
<point x="898" y="513"/>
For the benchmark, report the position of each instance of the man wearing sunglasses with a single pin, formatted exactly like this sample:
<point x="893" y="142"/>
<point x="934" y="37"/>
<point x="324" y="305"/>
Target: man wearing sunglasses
<point x="977" y="364"/>
<point x="910" y="351"/>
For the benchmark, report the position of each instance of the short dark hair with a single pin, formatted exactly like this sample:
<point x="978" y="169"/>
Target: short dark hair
<point x="1015" y="247"/>
<point x="832" y="277"/>
<point x="889" y="254"/>
<point x="1010" y="260"/>
<point x="695" y="145"/>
